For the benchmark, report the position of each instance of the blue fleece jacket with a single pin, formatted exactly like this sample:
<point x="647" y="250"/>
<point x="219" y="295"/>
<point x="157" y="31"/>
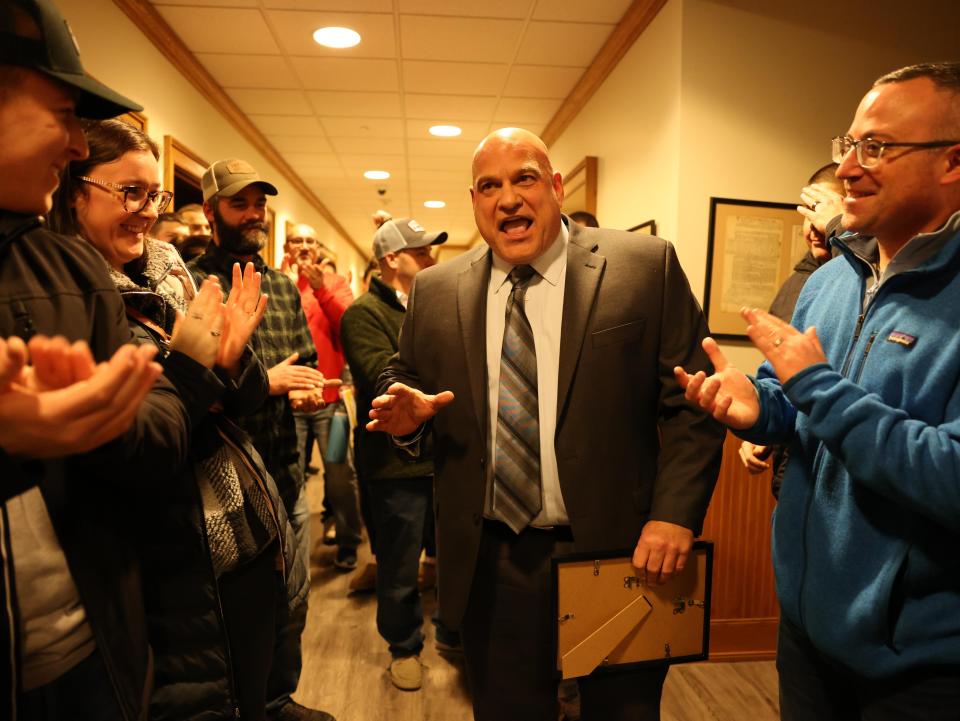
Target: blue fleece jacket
<point x="866" y="539"/>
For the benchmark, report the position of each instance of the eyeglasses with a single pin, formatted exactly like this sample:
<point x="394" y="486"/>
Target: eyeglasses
<point x="135" y="197"/>
<point x="302" y="241"/>
<point x="869" y="151"/>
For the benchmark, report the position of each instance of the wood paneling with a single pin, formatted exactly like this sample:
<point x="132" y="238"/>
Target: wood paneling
<point x="744" y="610"/>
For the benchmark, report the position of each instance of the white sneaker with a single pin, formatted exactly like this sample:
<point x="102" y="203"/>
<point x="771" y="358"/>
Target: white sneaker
<point x="406" y="672"/>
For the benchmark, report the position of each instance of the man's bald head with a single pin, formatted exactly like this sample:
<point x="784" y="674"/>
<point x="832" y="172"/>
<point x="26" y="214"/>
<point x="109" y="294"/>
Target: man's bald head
<point x="516" y="195"/>
<point x="516" y="137"/>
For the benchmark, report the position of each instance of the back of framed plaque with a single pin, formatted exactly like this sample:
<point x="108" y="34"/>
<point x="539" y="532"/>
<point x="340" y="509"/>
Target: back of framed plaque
<point x="609" y="616"/>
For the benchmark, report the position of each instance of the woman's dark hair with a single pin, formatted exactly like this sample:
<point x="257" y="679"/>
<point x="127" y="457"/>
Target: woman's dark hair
<point x="109" y="140"/>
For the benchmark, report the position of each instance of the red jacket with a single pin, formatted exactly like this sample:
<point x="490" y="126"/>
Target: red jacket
<point x="324" y="307"/>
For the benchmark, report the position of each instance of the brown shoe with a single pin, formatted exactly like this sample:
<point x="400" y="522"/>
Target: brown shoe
<point x="365" y="581"/>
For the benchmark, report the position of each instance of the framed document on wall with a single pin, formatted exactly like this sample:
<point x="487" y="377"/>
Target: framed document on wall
<point x="751" y="250"/>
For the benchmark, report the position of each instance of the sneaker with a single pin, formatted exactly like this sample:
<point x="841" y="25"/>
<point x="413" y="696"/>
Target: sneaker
<point x="346" y="559"/>
<point x="406" y="672"/>
<point x="427" y="576"/>
<point x="329" y="531"/>
<point x="292" y="711"/>
<point x="365" y="581"/>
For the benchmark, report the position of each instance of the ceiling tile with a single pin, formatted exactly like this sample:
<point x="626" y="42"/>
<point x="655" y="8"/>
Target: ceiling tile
<point x="307" y="156"/>
<point x="360" y="6"/>
<point x="295" y="33"/>
<point x="287" y="125"/>
<point x="537" y="81"/>
<point x="249" y="71"/>
<point x="444" y="38"/>
<point x="450" y="107"/>
<point x="488" y="8"/>
<point x="474" y="131"/>
<point x="435" y="77"/>
<point x="578" y="11"/>
<point x="438" y="162"/>
<point x="276" y="102"/>
<point x="442" y="146"/>
<point x="363" y="127"/>
<point x="353" y="104"/>
<point x="314" y="174"/>
<point x="461" y="176"/>
<point x="359" y="162"/>
<point x="293" y="144"/>
<point x="248" y="34"/>
<point x="525" y="110"/>
<point x="378" y="146"/>
<point x="346" y="73"/>
<point x="218" y="3"/>
<point x="573" y="44"/>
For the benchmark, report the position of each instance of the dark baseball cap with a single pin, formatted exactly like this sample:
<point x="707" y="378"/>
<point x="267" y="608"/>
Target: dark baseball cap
<point x="228" y="177"/>
<point x="33" y="34"/>
<point x="396" y="235"/>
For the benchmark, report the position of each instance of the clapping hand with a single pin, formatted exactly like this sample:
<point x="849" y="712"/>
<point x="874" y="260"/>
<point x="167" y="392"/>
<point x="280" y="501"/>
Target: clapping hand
<point x="728" y="395"/>
<point x="821" y="205"/>
<point x="65" y="403"/>
<point x="242" y="314"/>
<point x="198" y="333"/>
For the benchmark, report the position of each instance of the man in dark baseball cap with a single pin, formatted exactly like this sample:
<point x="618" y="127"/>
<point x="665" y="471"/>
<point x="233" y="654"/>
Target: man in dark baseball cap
<point x="34" y="35"/>
<point x="72" y="628"/>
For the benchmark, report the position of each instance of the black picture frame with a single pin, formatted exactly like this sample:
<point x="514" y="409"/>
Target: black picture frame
<point x="648" y="227"/>
<point x="752" y="246"/>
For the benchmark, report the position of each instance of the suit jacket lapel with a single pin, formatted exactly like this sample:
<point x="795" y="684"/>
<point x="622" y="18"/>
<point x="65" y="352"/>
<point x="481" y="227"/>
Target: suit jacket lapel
<point x="584" y="270"/>
<point x="472" y="309"/>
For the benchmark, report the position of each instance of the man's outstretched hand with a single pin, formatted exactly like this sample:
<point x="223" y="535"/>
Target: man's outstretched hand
<point x="728" y="395"/>
<point x="402" y="409"/>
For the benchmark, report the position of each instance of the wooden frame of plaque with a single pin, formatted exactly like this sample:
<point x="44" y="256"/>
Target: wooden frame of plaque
<point x="609" y="619"/>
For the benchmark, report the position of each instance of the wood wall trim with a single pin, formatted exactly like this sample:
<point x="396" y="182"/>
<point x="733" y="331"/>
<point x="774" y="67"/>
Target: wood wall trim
<point x="152" y="24"/>
<point x="639" y="15"/>
<point x="743" y="639"/>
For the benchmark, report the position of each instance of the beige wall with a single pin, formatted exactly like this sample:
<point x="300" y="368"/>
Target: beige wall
<point x="116" y="52"/>
<point x="738" y="99"/>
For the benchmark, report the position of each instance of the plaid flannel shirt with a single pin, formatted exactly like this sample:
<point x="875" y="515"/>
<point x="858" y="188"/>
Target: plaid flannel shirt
<point x="282" y="331"/>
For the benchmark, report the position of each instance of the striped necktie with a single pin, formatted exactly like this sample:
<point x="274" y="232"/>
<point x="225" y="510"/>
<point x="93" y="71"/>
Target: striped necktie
<point x="516" y="476"/>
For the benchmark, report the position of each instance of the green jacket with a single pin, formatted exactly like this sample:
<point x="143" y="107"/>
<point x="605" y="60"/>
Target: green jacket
<point x="369" y="332"/>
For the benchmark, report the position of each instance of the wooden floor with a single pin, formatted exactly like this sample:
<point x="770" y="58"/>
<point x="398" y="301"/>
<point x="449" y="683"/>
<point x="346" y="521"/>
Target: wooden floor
<point x="345" y="664"/>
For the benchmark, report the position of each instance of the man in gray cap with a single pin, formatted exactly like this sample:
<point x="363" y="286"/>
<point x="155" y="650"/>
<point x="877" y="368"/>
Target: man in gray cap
<point x="235" y="203"/>
<point x="81" y="425"/>
<point x="400" y="493"/>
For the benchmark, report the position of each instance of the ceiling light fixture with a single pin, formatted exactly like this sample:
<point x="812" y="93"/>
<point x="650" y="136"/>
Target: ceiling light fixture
<point x="376" y="174"/>
<point x="332" y="37"/>
<point x="445" y="131"/>
<point x="434" y="204"/>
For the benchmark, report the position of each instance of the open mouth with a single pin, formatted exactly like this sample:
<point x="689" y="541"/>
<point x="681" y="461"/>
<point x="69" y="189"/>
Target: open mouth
<point x="135" y="229"/>
<point x="515" y="227"/>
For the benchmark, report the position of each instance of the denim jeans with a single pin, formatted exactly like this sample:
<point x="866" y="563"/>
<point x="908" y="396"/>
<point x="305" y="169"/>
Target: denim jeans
<point x="402" y="508"/>
<point x="340" y="480"/>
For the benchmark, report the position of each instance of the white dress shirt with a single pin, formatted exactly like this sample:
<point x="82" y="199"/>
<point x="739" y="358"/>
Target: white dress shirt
<point x="544" y="308"/>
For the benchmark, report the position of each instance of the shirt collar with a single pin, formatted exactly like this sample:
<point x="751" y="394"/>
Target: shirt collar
<point x="549" y="266"/>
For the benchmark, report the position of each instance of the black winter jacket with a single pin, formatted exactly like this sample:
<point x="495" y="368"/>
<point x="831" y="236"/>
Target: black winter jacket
<point x="53" y="285"/>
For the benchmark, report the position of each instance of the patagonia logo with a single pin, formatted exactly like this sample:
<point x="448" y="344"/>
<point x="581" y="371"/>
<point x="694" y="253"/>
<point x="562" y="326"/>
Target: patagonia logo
<point x="904" y="339"/>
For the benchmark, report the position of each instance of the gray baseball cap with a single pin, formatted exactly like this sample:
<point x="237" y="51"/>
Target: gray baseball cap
<point x="33" y="34"/>
<point x="228" y="177"/>
<point x="398" y="234"/>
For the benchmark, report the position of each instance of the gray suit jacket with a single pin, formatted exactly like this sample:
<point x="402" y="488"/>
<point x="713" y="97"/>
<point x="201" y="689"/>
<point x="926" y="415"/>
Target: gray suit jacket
<point x="629" y="447"/>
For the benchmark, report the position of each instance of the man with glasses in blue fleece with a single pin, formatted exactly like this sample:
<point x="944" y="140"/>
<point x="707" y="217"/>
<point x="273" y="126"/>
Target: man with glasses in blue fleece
<point x="864" y="387"/>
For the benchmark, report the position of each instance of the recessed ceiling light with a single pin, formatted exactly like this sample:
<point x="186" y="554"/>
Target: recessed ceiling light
<point x="434" y="204"/>
<point x="376" y="174"/>
<point x="445" y="131"/>
<point x="336" y="37"/>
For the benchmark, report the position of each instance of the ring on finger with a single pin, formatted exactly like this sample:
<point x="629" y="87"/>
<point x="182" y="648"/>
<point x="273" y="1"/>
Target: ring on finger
<point x="777" y="341"/>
